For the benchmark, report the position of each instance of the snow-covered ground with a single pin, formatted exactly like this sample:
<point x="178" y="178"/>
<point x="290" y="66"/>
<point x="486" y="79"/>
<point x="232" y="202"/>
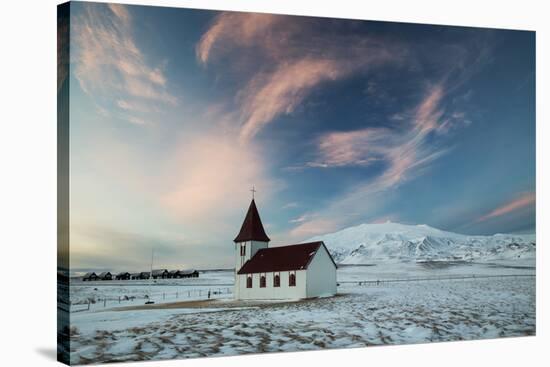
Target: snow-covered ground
<point x="390" y="313"/>
<point x="102" y="295"/>
<point x="435" y="269"/>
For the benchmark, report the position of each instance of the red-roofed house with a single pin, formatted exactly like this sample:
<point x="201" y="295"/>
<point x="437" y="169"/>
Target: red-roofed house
<point x="281" y="272"/>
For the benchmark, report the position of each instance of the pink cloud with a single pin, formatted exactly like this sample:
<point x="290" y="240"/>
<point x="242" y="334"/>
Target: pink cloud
<point x="428" y="112"/>
<point x="525" y="200"/>
<point x="271" y="94"/>
<point x="280" y="91"/>
<point x="285" y="62"/>
<point x="313" y="227"/>
<point x="235" y="28"/>
<point x="402" y="149"/>
<point x="211" y="176"/>
<point x="359" y="147"/>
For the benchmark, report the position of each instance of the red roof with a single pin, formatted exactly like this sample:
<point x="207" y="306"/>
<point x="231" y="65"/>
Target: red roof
<point x="252" y="228"/>
<point x="283" y="258"/>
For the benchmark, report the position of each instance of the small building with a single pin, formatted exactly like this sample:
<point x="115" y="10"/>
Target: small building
<point x="91" y="276"/>
<point x="173" y="274"/>
<point x="106" y="275"/>
<point x="123" y="276"/>
<point x="140" y="276"/>
<point x="188" y="273"/>
<point x="297" y="271"/>
<point x="160" y="274"/>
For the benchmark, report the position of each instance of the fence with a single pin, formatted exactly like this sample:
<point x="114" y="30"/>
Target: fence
<point x="160" y="297"/>
<point x="378" y="282"/>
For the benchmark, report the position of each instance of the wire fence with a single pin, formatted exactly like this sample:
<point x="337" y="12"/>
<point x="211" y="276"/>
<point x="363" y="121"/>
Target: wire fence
<point x="379" y="282"/>
<point x="159" y="297"/>
<point x="103" y="302"/>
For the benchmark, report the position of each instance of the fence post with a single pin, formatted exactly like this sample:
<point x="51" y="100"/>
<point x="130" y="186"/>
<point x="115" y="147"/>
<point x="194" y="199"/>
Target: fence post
<point x="88" y="304"/>
<point x="104" y="302"/>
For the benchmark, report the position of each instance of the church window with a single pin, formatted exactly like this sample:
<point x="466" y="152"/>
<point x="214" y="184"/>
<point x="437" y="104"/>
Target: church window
<point x="276" y="280"/>
<point x="262" y="280"/>
<point x="249" y="281"/>
<point x="292" y="279"/>
<point x="243" y="250"/>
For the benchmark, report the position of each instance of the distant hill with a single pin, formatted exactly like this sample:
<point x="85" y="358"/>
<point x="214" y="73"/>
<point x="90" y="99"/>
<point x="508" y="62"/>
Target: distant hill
<point x="368" y="243"/>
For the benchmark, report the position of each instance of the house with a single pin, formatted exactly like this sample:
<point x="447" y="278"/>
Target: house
<point x="123" y="276"/>
<point x="280" y="272"/>
<point x="90" y="277"/>
<point x="188" y="273"/>
<point x="105" y="276"/>
<point x="140" y="276"/>
<point x="160" y="273"/>
<point x="183" y="274"/>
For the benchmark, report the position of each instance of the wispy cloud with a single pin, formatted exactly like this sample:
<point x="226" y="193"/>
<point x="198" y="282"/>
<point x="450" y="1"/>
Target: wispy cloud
<point x="301" y="218"/>
<point x="284" y="60"/>
<point x="523" y="201"/>
<point x="314" y="227"/>
<point x="242" y="29"/>
<point x="402" y="152"/>
<point x="109" y="65"/>
<point x="271" y="94"/>
<point x="289" y="62"/>
<point x="353" y="148"/>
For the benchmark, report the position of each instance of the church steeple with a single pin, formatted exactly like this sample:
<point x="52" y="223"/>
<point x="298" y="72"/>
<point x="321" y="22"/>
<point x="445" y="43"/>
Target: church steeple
<point x="252" y="228"/>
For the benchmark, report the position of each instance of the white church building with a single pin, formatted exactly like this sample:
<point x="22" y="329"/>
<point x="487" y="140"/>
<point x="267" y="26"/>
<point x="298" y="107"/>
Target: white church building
<point x="280" y="272"/>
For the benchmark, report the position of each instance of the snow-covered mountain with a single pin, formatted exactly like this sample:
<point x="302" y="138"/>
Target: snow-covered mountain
<point x="368" y="243"/>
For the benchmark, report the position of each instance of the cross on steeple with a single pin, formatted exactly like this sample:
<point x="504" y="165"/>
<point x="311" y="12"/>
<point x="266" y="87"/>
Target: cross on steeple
<point x="253" y="191"/>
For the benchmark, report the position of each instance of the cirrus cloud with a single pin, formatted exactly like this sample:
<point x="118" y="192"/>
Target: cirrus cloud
<point x="109" y="65"/>
<point x="404" y="152"/>
<point x="525" y="200"/>
<point x="286" y="61"/>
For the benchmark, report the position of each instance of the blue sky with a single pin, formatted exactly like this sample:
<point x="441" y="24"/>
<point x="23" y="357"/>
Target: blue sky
<point x="176" y="113"/>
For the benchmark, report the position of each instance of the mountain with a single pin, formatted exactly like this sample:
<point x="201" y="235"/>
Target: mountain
<point x="368" y="243"/>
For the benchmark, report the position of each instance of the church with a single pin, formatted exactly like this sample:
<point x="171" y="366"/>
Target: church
<point x="280" y="272"/>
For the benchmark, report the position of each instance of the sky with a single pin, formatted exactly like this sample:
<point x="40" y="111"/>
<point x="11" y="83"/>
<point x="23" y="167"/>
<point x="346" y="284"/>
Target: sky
<point x="175" y="114"/>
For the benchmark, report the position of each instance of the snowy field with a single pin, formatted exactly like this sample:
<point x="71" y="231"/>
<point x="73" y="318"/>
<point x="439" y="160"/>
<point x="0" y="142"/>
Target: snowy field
<point x="389" y="313"/>
<point x="102" y="295"/>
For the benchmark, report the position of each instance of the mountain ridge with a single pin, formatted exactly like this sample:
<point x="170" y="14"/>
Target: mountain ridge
<point x="389" y="241"/>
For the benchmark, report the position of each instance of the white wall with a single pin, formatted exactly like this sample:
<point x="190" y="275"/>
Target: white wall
<point x="321" y="275"/>
<point x="318" y="280"/>
<point x="270" y="292"/>
<point x="251" y="248"/>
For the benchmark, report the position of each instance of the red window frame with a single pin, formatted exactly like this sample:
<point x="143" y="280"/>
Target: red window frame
<point x="276" y="280"/>
<point x="263" y="280"/>
<point x="292" y="279"/>
<point x="249" y="281"/>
